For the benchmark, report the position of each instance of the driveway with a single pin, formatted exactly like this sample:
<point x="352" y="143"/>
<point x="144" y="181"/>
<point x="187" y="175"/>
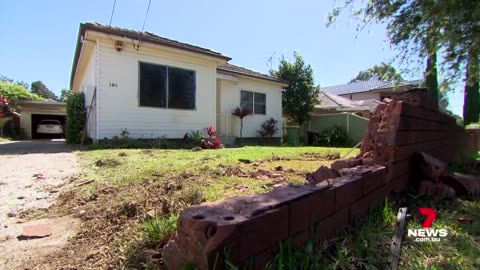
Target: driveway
<point x="34" y="146"/>
<point x="32" y="174"/>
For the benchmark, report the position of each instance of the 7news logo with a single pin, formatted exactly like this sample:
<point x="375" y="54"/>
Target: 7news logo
<point x="427" y="234"/>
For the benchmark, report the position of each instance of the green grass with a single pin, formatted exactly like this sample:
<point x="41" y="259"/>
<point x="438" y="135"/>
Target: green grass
<point x="130" y="184"/>
<point x="159" y="229"/>
<point x="4" y="139"/>
<point x="131" y="165"/>
<point x="366" y="244"/>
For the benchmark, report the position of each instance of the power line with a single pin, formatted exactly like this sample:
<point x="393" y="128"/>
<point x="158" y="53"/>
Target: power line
<point x="113" y="10"/>
<point x="146" y="14"/>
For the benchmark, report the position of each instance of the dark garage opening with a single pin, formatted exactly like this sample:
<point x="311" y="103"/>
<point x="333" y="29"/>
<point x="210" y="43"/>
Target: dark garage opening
<point x="36" y="118"/>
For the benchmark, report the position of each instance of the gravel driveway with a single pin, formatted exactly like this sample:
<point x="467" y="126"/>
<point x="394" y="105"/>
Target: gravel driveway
<point x="31" y="176"/>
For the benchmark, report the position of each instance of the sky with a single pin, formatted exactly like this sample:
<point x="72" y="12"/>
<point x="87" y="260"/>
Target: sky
<point x="38" y="38"/>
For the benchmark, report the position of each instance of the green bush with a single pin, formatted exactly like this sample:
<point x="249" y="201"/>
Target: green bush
<point x="76" y="117"/>
<point x="15" y="92"/>
<point x="335" y="136"/>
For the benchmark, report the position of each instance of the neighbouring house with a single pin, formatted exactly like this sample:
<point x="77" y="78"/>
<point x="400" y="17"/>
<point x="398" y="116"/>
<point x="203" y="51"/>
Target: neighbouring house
<point x="333" y="104"/>
<point x="372" y="89"/>
<point x="154" y="87"/>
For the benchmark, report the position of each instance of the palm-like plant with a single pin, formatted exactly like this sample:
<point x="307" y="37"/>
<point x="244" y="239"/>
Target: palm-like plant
<point x="241" y="113"/>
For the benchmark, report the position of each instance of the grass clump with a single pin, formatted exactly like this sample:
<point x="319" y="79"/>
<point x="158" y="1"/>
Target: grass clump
<point x="159" y="229"/>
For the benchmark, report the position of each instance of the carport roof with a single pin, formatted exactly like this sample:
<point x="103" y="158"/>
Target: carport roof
<point x="37" y="102"/>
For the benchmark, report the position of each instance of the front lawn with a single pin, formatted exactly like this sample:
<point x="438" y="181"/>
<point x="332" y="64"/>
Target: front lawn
<point x="129" y="211"/>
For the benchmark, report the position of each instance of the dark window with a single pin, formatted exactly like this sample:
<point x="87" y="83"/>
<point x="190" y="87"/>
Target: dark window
<point x="181" y="88"/>
<point x="167" y="87"/>
<point x="246" y="100"/>
<point x="255" y="102"/>
<point x="260" y="103"/>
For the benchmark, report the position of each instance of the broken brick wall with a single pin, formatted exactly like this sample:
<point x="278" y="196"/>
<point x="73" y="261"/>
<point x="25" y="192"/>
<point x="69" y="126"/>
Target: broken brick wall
<point x="248" y="229"/>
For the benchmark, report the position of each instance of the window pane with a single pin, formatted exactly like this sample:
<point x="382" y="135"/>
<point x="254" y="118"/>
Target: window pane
<point x="260" y="103"/>
<point x="246" y="100"/>
<point x="153" y="85"/>
<point x="181" y="88"/>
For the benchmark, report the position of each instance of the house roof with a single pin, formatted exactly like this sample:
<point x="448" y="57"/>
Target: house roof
<point x="331" y="101"/>
<point x="144" y="36"/>
<point x="229" y="68"/>
<point x="152" y="38"/>
<point x="367" y="86"/>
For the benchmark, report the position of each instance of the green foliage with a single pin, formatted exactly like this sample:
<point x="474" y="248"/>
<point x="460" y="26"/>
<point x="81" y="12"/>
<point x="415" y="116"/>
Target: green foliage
<point x="76" y="117"/>
<point x="64" y="94"/>
<point x="196" y="136"/>
<point x="160" y="229"/>
<point x="3" y="122"/>
<point x="299" y="99"/>
<point x="335" y="136"/>
<point x="15" y="92"/>
<point x="268" y="128"/>
<point x="471" y="105"/>
<point x="39" y="88"/>
<point x="431" y="81"/>
<point x="384" y="71"/>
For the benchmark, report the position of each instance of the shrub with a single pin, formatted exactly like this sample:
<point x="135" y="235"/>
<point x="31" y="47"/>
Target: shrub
<point x="268" y="128"/>
<point x="335" y="136"/>
<point x="196" y="137"/>
<point x="211" y="143"/>
<point x="76" y="117"/>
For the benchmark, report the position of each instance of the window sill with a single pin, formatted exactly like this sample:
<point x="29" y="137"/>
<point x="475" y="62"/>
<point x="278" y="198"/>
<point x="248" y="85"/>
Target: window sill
<point x="170" y="109"/>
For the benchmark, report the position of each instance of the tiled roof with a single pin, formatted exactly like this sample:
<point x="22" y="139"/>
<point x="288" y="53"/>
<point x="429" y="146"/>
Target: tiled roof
<point x="331" y="101"/>
<point x="328" y="100"/>
<point x="229" y="68"/>
<point x="365" y="86"/>
<point x="150" y="37"/>
<point x="144" y="36"/>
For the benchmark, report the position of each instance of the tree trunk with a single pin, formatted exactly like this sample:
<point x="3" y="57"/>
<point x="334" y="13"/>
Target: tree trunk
<point x="241" y="130"/>
<point x="471" y="102"/>
<point x="431" y="81"/>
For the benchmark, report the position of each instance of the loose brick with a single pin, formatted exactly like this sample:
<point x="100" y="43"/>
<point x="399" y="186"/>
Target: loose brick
<point x="347" y="190"/>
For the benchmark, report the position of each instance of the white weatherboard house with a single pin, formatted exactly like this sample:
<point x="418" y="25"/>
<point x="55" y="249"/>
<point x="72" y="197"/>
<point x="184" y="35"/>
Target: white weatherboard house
<point x="154" y="87"/>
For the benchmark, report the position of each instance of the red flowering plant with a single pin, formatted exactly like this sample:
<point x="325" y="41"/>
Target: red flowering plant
<point x="211" y="143"/>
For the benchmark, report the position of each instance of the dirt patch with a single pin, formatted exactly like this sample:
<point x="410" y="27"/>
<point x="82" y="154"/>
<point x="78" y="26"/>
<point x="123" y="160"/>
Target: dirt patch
<point x="107" y="163"/>
<point x="17" y="254"/>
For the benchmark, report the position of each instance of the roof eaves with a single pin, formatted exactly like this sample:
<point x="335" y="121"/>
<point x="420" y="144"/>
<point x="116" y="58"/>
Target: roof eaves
<point x="262" y="77"/>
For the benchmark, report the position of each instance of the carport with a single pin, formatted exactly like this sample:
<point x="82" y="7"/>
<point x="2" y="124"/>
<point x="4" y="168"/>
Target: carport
<point x="32" y="112"/>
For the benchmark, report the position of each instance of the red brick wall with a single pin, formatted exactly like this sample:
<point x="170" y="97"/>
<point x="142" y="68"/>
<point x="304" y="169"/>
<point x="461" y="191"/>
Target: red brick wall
<point x="249" y="228"/>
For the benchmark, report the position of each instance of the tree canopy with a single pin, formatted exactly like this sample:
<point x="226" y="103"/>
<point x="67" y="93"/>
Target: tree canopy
<point x="15" y="92"/>
<point x="426" y="27"/>
<point x="384" y="71"/>
<point x="299" y="99"/>
<point x="39" y="88"/>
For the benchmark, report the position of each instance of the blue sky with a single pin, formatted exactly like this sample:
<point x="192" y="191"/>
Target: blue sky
<point x="37" y="38"/>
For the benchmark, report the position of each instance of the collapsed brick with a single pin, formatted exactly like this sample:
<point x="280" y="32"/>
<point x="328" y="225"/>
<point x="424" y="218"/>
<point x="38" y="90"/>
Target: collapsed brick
<point x="321" y="174"/>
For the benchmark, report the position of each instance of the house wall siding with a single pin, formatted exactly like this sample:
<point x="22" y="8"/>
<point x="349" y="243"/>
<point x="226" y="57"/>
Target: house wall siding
<point x="230" y="99"/>
<point x="87" y="86"/>
<point x="363" y="96"/>
<point x="118" y="94"/>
